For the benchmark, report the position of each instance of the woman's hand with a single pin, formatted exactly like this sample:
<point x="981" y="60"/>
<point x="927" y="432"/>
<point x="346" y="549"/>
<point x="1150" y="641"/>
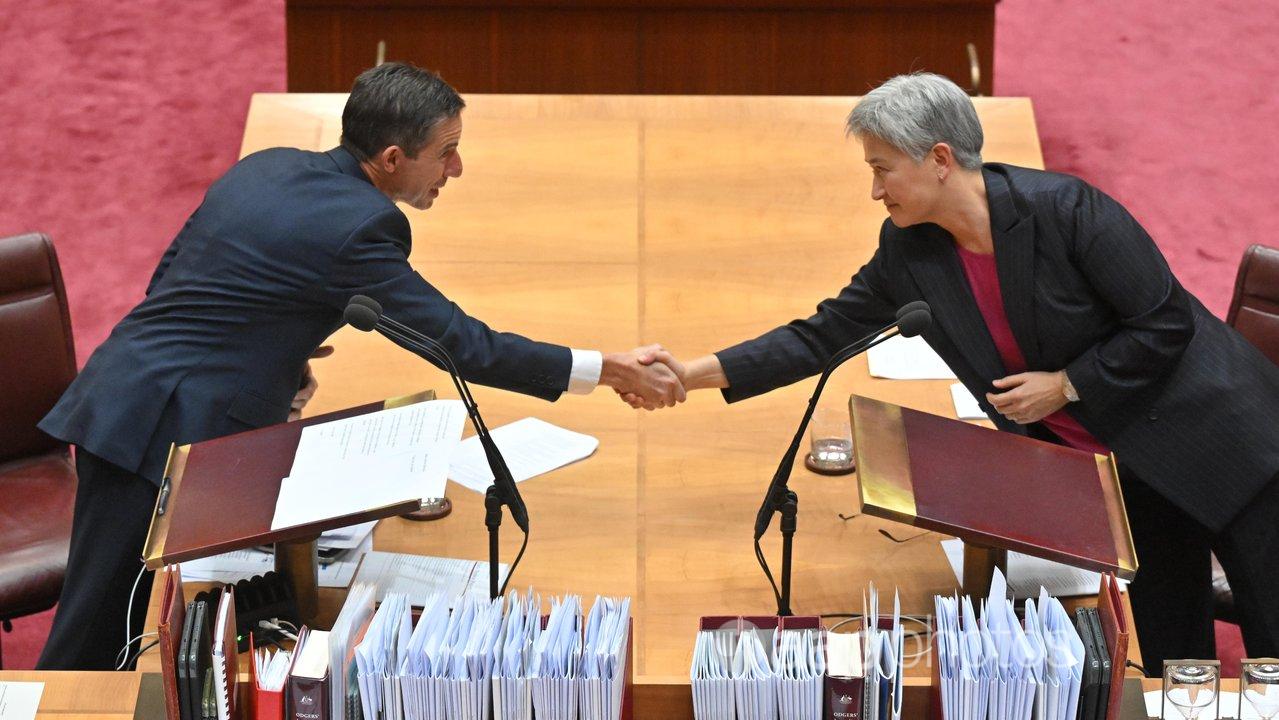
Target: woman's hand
<point x="1029" y="397"/>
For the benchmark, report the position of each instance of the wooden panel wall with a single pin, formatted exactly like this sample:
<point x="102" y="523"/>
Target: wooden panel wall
<point x="696" y="47"/>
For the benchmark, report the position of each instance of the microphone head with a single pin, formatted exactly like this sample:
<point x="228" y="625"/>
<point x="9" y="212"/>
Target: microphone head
<point x="360" y="317"/>
<point x="915" y="322"/>
<point x="911" y="307"/>
<point x="374" y="305"/>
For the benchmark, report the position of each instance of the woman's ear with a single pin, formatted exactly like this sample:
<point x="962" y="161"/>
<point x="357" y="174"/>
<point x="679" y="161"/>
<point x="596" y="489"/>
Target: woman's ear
<point x="943" y="159"/>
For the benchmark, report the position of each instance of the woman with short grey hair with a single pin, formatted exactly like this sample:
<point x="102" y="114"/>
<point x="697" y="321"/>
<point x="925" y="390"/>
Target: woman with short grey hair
<point x="1056" y="310"/>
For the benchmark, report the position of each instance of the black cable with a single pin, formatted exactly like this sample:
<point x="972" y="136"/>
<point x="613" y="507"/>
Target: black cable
<point x="138" y="654"/>
<point x="763" y="563"/>
<point x="1135" y="666"/>
<point x="511" y="573"/>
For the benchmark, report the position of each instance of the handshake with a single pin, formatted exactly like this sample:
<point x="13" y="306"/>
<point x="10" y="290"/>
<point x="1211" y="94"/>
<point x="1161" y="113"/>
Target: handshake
<point x="649" y="377"/>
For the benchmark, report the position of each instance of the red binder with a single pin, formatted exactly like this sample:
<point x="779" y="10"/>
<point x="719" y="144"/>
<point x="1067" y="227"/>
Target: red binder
<point x="221" y="493"/>
<point x="173" y="611"/>
<point x="1114" y="628"/>
<point x="991" y="488"/>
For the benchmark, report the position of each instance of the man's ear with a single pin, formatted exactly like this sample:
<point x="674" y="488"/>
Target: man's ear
<point x="390" y="158"/>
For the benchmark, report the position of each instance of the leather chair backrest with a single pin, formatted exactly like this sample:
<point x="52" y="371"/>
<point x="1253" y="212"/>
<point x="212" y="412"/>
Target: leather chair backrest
<point x="37" y="355"/>
<point x="1254" y="310"/>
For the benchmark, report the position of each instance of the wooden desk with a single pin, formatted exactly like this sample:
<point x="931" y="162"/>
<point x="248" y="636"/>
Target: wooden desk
<point x="613" y="221"/>
<point x="82" y="695"/>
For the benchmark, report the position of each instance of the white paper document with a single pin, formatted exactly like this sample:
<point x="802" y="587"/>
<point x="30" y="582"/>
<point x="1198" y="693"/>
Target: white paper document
<point x="370" y="461"/>
<point x="966" y="407"/>
<point x="903" y="358"/>
<point x="230" y="568"/>
<point x="1027" y="574"/>
<point x="530" y="447"/>
<point x="712" y="675"/>
<point x="20" y="700"/>
<point x="420" y="577"/>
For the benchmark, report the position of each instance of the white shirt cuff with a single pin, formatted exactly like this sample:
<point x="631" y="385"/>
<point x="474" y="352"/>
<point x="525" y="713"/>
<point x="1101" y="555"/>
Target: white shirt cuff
<point x="585" y="374"/>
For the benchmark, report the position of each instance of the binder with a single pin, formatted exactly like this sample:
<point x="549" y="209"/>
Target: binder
<point x="1114" y="630"/>
<point x="266" y="704"/>
<point x="225" y="657"/>
<point x="219" y="495"/>
<point x="184" y="665"/>
<point x="1090" y="690"/>
<point x="198" y="658"/>
<point x="170" y="629"/>
<point x="309" y="693"/>
<point x="991" y="488"/>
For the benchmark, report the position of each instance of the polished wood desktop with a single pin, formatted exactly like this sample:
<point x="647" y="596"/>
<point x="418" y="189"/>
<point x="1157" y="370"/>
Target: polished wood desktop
<point x="607" y="222"/>
<point x="82" y="695"/>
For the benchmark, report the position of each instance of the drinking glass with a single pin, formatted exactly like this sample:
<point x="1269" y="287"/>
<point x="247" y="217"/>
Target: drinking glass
<point x="1259" y="685"/>
<point x="831" y="441"/>
<point x="1191" y="686"/>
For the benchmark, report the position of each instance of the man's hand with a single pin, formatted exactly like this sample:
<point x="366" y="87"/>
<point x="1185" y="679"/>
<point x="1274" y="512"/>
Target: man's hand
<point x="309" y="384"/>
<point x="1029" y="397"/>
<point x="656" y="385"/>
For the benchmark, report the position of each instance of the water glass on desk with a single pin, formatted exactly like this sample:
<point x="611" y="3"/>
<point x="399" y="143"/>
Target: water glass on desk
<point x="831" y="442"/>
<point x="1259" y="687"/>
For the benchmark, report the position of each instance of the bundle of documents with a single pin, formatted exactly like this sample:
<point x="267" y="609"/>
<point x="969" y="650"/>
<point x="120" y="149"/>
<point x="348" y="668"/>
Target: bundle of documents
<point x="422" y="577"/>
<point x="513" y="658"/>
<point x="602" y="679"/>
<point x="556" y="656"/>
<point x="759" y="667"/>
<point x="994" y="668"/>
<point x="530" y="447"/>
<point x="801" y="665"/>
<point x="712" y="674"/>
<point x="340" y="554"/>
<point x="370" y="461"/>
<point x="882" y="652"/>
<point x="354" y="616"/>
<point x="485" y="657"/>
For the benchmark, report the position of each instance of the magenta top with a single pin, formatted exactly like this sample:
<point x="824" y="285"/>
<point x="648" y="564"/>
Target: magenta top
<point x="984" y="281"/>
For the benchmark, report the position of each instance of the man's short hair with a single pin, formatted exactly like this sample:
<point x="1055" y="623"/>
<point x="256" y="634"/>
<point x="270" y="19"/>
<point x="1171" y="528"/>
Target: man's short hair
<point x="396" y="104"/>
<point x="915" y="112"/>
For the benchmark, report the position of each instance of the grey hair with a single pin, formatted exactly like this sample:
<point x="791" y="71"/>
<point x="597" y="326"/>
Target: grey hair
<point x="915" y="112"/>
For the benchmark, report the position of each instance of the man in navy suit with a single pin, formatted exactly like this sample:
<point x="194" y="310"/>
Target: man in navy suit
<point x="257" y="278"/>
<point x="1058" y="312"/>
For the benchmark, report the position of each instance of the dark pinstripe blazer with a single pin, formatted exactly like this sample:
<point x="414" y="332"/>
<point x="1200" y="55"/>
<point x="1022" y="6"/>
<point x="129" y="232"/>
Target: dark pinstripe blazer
<point x="1181" y="398"/>
<point x="256" y="279"/>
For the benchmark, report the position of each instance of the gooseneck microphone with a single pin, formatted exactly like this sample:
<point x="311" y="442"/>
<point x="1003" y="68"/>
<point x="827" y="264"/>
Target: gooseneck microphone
<point x="364" y="313"/>
<point x="911" y="319"/>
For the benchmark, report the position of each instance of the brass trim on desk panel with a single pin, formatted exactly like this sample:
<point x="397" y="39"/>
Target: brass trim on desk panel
<point x="883" y="476"/>
<point x="153" y="550"/>
<point x="1117" y="516"/>
<point x="405" y="400"/>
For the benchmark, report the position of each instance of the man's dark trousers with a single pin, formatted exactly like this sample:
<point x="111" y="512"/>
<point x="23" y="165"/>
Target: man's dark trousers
<point x="112" y="514"/>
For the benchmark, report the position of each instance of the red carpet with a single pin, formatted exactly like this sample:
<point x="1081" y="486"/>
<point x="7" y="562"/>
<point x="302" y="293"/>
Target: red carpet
<point x="119" y="115"/>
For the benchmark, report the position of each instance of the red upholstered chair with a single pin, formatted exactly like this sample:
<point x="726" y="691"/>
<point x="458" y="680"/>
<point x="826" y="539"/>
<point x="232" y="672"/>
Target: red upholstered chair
<point x="37" y="479"/>
<point x="1254" y="310"/>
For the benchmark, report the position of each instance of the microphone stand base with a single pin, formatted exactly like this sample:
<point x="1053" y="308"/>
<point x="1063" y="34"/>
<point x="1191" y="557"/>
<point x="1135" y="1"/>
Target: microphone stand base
<point x="435" y="509"/>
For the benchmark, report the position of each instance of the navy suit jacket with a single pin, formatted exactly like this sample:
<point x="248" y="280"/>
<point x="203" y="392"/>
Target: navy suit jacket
<point x="254" y="282"/>
<point x="1181" y="398"/>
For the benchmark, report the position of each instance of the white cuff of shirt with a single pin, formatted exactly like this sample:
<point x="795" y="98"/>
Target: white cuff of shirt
<point x="585" y="374"/>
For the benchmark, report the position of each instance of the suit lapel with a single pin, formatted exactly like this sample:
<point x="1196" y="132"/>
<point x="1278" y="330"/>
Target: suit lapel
<point x="932" y="260"/>
<point x="1014" y="236"/>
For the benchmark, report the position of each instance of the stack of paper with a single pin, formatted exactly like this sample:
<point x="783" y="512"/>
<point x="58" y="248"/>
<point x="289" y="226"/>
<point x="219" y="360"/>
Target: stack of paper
<point x="370" y="461"/>
<point x="512" y="689"/>
<point x="602" y="678"/>
<point x="903" y="358"/>
<point x="421" y="666"/>
<point x="1028" y="575"/>
<point x="340" y="554"/>
<point x="754" y="676"/>
<point x="994" y="668"/>
<point x="801" y="665"/>
<point x="422" y="577"/>
<point x="383" y="649"/>
<point x="556" y="659"/>
<point x="712" y="674"/>
<point x="884" y="660"/>
<point x="343" y="678"/>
